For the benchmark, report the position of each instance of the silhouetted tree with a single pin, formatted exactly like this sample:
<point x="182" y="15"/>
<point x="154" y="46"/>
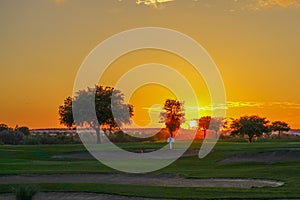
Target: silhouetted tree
<point x="111" y="111"/>
<point x="23" y="129"/>
<point x="279" y="126"/>
<point x="173" y="116"/>
<point x="3" y="127"/>
<point x="216" y="124"/>
<point x="9" y="136"/>
<point x="203" y="124"/>
<point x="250" y="126"/>
<point x="65" y="113"/>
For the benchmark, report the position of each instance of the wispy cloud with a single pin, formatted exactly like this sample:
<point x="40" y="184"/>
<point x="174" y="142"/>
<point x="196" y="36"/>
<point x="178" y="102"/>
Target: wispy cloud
<point x="153" y="3"/>
<point x="234" y="5"/>
<point x="247" y="104"/>
<point x="155" y="108"/>
<point x="283" y="105"/>
<point x="281" y="3"/>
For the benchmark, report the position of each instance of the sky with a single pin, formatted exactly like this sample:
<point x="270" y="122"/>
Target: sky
<point x="254" y="43"/>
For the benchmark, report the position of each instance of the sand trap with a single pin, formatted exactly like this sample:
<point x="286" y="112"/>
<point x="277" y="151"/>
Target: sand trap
<point x="289" y="155"/>
<point x="165" y="180"/>
<point x="75" y="196"/>
<point x="87" y="155"/>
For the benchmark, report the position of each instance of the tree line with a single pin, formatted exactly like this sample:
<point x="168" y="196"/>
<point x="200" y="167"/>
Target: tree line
<point x="173" y="116"/>
<point x="251" y="126"/>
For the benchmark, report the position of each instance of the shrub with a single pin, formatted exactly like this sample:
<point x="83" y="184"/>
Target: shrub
<point x="162" y="135"/>
<point x="58" y="139"/>
<point x="25" y="192"/>
<point x="11" y="137"/>
<point x="31" y="140"/>
<point x="120" y="136"/>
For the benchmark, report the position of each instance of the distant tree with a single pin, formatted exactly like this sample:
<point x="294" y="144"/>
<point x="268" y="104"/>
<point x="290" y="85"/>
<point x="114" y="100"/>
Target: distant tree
<point x="173" y="115"/>
<point x="9" y="136"/>
<point x="3" y="127"/>
<point x="207" y="122"/>
<point x="111" y="111"/>
<point x="216" y="124"/>
<point x="279" y="126"/>
<point x="203" y="124"/>
<point x="23" y="129"/>
<point x="65" y="113"/>
<point x="250" y="126"/>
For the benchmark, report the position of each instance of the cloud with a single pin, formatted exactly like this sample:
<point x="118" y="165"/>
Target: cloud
<point x="237" y="104"/>
<point x="154" y="108"/>
<point x="153" y="3"/>
<point x="245" y="104"/>
<point x="281" y="3"/>
<point x="283" y="105"/>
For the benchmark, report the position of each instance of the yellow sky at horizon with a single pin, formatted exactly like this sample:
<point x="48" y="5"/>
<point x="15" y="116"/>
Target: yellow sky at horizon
<point x="255" y="44"/>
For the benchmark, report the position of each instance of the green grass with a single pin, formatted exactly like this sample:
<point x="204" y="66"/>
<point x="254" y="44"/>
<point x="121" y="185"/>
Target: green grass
<point x="37" y="159"/>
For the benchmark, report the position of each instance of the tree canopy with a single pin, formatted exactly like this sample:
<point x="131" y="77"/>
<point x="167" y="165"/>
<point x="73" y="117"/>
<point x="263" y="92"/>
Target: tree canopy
<point x="24" y="129"/>
<point x="65" y="113"/>
<point x="3" y="127"/>
<point x="208" y="122"/>
<point x="173" y="115"/>
<point x="203" y="124"/>
<point x="279" y="126"/>
<point x="111" y="111"/>
<point x="250" y="126"/>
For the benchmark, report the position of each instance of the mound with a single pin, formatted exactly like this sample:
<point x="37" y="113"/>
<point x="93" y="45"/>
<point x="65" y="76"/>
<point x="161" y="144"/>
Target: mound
<point x="289" y="155"/>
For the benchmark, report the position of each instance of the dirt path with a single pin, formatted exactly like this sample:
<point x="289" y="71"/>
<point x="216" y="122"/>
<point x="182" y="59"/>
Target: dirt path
<point x="165" y="180"/>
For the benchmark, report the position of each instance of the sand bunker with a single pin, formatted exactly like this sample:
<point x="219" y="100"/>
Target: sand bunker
<point x="87" y="155"/>
<point x="75" y="196"/>
<point x="289" y="155"/>
<point x="165" y="180"/>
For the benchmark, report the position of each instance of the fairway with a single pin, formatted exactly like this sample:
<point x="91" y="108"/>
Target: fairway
<point x="43" y="159"/>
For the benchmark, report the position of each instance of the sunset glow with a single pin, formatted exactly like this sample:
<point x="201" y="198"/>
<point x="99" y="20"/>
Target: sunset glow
<point x="254" y="43"/>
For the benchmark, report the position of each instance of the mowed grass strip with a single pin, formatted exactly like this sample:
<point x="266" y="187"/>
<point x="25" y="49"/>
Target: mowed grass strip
<point x="164" y="192"/>
<point x="37" y="159"/>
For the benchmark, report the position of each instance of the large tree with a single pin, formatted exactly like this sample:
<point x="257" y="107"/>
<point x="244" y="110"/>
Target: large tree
<point x="279" y="126"/>
<point x="111" y="111"/>
<point x="173" y="115"/>
<point x="250" y="126"/>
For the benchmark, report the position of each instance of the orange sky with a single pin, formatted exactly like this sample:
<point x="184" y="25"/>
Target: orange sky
<point x="255" y="44"/>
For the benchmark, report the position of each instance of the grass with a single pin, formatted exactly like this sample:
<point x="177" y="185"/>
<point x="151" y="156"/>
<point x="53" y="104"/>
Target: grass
<point x="38" y="160"/>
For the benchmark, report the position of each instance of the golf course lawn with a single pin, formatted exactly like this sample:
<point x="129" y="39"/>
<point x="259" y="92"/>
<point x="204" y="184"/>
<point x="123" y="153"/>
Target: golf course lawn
<point x="38" y="159"/>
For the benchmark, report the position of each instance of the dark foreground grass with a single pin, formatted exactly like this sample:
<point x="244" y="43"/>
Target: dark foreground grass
<point x="166" y="192"/>
<point x="38" y="160"/>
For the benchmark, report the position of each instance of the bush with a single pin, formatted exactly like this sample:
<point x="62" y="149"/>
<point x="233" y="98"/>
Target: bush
<point x="31" y="141"/>
<point x="25" y="192"/>
<point x="11" y="137"/>
<point x="162" y="135"/>
<point x="58" y="139"/>
<point x="120" y="136"/>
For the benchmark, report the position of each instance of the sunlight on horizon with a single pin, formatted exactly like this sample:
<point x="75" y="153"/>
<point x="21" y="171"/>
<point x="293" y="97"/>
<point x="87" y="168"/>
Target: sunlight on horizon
<point x="254" y="43"/>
